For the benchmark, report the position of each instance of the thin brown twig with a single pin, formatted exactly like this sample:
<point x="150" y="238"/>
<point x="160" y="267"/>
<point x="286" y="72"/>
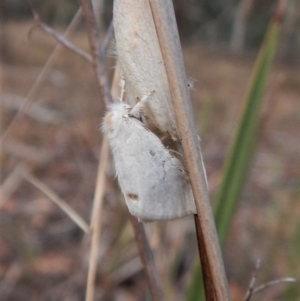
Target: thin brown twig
<point x="147" y="259"/>
<point x="98" y="64"/>
<point x="254" y="290"/>
<point x="59" y="37"/>
<point x="58" y="201"/>
<point x="252" y="282"/>
<point x="261" y="287"/>
<point x="103" y="54"/>
<point x="106" y="42"/>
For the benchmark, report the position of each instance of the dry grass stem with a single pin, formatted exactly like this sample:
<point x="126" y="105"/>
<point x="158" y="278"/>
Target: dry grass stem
<point x="104" y="47"/>
<point x="97" y="58"/>
<point x="254" y="290"/>
<point x="103" y="54"/>
<point x="99" y="192"/>
<point x="262" y="287"/>
<point x="252" y="282"/>
<point x="62" y="40"/>
<point x="11" y="183"/>
<point x="147" y="259"/>
<point x="95" y="220"/>
<point x="216" y="287"/>
<point x="100" y="180"/>
<point x="58" y="201"/>
<point x="40" y="78"/>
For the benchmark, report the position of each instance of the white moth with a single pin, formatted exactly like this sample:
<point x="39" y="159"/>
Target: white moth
<point x="153" y="182"/>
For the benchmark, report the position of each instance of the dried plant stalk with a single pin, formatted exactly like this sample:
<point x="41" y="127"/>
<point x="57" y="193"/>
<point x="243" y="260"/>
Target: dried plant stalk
<point x="147" y="259"/>
<point x="98" y="63"/>
<point x="61" y="39"/>
<point x="96" y="221"/>
<point x="216" y="287"/>
<point x="58" y="201"/>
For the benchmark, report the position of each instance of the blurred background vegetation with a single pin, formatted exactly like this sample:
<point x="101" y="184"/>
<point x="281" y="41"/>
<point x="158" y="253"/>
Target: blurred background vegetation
<point x="43" y="254"/>
<point x="233" y="25"/>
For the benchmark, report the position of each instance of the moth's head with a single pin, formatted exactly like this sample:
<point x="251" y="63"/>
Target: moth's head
<point x="114" y="117"/>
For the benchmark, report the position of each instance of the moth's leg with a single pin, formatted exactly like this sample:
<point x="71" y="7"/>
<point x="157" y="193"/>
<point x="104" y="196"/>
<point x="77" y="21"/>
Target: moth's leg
<point x="137" y="109"/>
<point x="146" y="97"/>
<point x="136" y="112"/>
<point x="123" y="90"/>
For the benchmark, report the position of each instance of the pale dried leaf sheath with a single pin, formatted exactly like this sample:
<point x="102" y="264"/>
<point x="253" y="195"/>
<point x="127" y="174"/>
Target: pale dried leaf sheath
<point x="142" y="64"/>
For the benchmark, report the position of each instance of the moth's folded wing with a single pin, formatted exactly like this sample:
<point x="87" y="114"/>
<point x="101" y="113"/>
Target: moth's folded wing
<point x="154" y="185"/>
<point x="162" y="186"/>
<point x="170" y="196"/>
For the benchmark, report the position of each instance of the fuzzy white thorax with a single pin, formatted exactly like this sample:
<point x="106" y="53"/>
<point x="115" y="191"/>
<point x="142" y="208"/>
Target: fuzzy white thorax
<point x="112" y="122"/>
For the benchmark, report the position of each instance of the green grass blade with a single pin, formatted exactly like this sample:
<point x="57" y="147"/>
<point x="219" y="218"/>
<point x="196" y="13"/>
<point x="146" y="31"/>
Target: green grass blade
<point x="244" y="143"/>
